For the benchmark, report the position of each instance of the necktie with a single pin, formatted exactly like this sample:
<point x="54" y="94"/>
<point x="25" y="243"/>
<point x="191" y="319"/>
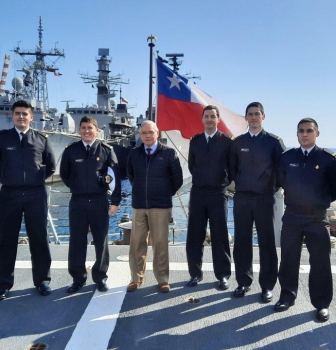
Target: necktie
<point x="148" y="150"/>
<point x="305" y="157"/>
<point x="87" y="151"/>
<point x="22" y="138"/>
<point x="209" y="140"/>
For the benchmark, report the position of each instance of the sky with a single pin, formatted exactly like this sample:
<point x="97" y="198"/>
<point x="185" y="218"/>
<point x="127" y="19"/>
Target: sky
<point x="281" y="53"/>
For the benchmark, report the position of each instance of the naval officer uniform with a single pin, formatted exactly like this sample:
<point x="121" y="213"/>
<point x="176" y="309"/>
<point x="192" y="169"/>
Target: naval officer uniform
<point x="309" y="184"/>
<point x="254" y="159"/>
<point x="83" y="169"/>
<point x="208" y="163"/>
<point x="26" y="161"/>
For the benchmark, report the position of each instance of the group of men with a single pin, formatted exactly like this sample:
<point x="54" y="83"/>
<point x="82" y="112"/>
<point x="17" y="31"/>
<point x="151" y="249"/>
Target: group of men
<point x="88" y="167"/>
<point x="256" y="161"/>
<point x="259" y="165"/>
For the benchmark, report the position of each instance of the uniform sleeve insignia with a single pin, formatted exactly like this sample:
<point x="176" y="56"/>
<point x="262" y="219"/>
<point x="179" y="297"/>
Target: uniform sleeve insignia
<point x="317" y="167"/>
<point x="108" y="179"/>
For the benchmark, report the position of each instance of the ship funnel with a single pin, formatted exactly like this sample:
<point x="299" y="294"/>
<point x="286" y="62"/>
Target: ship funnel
<point x="4" y="74"/>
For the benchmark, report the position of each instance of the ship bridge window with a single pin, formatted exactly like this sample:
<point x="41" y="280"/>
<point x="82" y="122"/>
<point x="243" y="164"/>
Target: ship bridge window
<point x="99" y="112"/>
<point x="86" y="112"/>
<point x="2" y="108"/>
<point x="93" y="112"/>
<point x="105" y="112"/>
<point x="79" y="111"/>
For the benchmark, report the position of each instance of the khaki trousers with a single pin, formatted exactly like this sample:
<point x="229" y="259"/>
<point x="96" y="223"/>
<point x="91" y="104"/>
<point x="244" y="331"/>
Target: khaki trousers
<point x="156" y="222"/>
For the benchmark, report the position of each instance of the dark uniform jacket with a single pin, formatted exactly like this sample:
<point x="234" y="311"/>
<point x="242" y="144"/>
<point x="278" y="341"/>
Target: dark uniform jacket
<point x="155" y="179"/>
<point x="209" y="163"/>
<point x="254" y="161"/>
<point x="82" y="175"/>
<point x="310" y="187"/>
<point x="25" y="166"/>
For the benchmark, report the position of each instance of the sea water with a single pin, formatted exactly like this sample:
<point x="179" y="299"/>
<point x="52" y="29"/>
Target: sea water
<point x="59" y="206"/>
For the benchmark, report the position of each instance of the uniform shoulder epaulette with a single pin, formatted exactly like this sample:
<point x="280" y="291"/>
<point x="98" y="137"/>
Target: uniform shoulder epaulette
<point x="44" y="135"/>
<point x="71" y="144"/>
<point x="275" y="136"/>
<point x="289" y="150"/>
<point x="107" y="145"/>
<point x="327" y="150"/>
<point x="195" y="136"/>
<point x="238" y="137"/>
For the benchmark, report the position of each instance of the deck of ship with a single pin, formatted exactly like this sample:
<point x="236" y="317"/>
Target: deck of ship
<point x="147" y="319"/>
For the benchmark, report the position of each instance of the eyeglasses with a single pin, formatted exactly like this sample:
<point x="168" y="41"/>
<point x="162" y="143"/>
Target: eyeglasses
<point x="149" y="133"/>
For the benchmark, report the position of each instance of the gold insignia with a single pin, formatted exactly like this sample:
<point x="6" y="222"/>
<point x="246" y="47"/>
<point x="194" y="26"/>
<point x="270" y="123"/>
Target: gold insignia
<point x="317" y="167"/>
<point x="98" y="158"/>
<point x="108" y="179"/>
<point x="46" y="136"/>
<point x="233" y="138"/>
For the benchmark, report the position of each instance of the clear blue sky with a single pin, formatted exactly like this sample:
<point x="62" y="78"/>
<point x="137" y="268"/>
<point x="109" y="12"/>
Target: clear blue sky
<point x="279" y="52"/>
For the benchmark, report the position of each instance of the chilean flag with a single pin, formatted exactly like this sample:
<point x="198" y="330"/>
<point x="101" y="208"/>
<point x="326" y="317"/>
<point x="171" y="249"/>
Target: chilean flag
<point x="179" y="106"/>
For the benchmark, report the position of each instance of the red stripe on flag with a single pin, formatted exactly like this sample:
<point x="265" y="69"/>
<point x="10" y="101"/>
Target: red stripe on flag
<point x="183" y="116"/>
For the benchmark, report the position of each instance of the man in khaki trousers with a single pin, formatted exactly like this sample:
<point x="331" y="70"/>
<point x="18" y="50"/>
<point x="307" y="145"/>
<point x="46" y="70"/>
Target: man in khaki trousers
<point x="155" y="173"/>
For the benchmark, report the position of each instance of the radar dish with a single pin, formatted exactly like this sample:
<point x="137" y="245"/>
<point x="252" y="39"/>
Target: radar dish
<point x="17" y="84"/>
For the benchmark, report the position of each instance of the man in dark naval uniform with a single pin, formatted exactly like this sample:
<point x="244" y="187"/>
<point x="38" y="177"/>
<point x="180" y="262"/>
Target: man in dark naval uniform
<point x="85" y="168"/>
<point x="254" y="158"/>
<point x="26" y="160"/>
<point x="308" y="176"/>
<point x="208" y="162"/>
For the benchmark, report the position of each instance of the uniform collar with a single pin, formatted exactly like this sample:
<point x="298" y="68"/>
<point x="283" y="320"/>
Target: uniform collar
<point x="19" y="131"/>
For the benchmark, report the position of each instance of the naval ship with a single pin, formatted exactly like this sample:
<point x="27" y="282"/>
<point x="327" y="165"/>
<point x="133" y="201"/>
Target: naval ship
<point x="31" y="86"/>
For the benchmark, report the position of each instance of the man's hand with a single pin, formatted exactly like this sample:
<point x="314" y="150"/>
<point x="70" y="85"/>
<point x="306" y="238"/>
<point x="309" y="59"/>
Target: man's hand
<point x="113" y="209"/>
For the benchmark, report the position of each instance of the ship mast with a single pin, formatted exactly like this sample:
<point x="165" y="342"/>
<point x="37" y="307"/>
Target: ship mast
<point x="36" y="72"/>
<point x="104" y="82"/>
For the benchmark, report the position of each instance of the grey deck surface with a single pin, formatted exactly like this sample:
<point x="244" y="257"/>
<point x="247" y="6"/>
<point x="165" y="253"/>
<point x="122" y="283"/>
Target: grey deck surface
<point x="151" y="320"/>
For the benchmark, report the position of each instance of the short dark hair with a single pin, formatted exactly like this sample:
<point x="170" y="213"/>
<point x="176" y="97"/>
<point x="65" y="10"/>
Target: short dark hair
<point x="209" y="108"/>
<point x="89" y="119"/>
<point x="308" y="120"/>
<point x="22" y="103"/>
<point x="255" y="104"/>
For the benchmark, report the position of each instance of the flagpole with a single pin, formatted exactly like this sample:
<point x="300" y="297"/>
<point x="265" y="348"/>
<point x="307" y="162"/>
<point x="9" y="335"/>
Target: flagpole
<point x="151" y="39"/>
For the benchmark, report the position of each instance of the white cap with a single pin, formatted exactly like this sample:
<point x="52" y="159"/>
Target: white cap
<point x="112" y="183"/>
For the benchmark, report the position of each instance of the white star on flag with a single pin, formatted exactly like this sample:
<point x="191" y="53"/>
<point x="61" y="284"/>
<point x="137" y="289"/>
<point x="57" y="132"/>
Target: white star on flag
<point x="174" y="81"/>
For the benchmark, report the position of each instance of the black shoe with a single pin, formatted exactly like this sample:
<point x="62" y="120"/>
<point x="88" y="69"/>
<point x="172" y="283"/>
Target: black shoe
<point x="266" y="295"/>
<point x="283" y="305"/>
<point x="241" y="291"/>
<point x="194" y="281"/>
<point x="102" y="286"/>
<point x="75" y="287"/>
<point x="44" y="289"/>
<point x="3" y="293"/>
<point x="322" y="314"/>
<point x="223" y="284"/>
